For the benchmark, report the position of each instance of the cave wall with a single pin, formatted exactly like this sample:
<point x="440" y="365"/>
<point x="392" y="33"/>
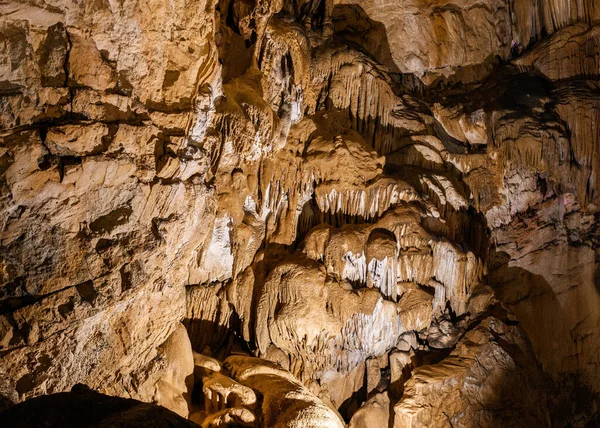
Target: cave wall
<point x="97" y="100"/>
<point x="384" y="199"/>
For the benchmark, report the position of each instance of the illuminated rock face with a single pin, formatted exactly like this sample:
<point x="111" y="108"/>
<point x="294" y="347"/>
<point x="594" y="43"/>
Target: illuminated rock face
<point x="383" y="213"/>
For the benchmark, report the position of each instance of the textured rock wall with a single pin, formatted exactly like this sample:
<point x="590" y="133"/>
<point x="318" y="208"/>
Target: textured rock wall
<point x="393" y="206"/>
<point x="103" y="204"/>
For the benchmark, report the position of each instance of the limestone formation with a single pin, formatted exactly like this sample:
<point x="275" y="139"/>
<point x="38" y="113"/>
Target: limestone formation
<point x="488" y="372"/>
<point x="374" y="413"/>
<point x="306" y="213"/>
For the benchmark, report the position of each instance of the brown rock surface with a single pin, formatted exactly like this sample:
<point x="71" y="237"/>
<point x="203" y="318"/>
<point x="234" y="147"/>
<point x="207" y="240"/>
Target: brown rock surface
<point x="489" y="379"/>
<point x="285" y="213"/>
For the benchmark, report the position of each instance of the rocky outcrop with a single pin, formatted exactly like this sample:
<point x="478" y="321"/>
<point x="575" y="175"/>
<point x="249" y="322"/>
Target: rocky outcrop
<point x="304" y="213"/>
<point x="286" y="403"/>
<point x="489" y="379"/>
<point x="96" y="102"/>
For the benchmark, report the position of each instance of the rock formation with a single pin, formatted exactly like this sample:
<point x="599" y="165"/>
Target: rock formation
<point x="302" y="213"/>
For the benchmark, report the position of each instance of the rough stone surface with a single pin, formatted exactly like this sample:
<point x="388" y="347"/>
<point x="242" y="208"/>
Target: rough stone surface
<point x="304" y="213"/>
<point x="487" y="380"/>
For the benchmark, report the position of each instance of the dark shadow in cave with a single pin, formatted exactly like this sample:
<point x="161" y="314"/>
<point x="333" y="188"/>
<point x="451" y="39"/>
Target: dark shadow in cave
<point x="353" y="403"/>
<point x="352" y="24"/>
<point x="312" y="216"/>
<point x="84" y="407"/>
<point x="534" y="302"/>
<point x="222" y="340"/>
